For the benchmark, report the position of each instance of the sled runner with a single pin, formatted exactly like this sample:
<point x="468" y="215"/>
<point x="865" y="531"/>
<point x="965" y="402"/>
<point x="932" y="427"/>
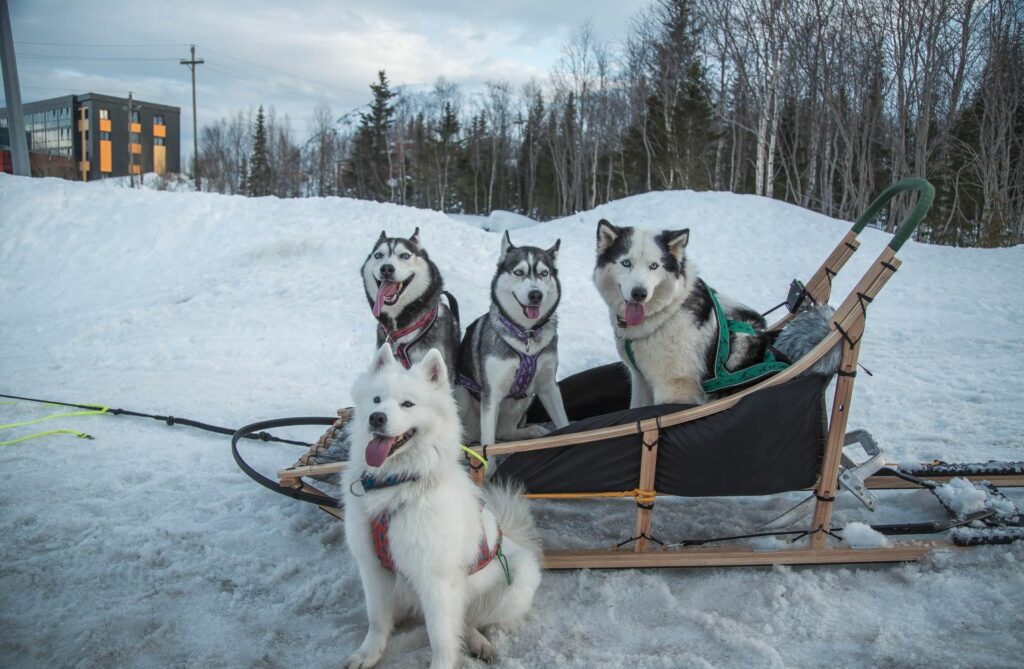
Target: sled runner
<point x="772" y="435"/>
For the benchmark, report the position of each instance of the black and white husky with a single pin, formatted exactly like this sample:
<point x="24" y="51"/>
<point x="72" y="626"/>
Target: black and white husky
<point x="664" y="317"/>
<point x="511" y="352"/>
<point x="404" y="288"/>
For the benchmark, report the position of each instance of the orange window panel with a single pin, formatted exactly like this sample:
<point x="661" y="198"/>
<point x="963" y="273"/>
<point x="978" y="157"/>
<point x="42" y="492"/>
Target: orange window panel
<point x="159" y="159"/>
<point x="136" y="127"/>
<point x="106" y="163"/>
<point x="136" y="148"/>
<point x="159" y="130"/>
<point x="136" y="169"/>
<point x="104" y="125"/>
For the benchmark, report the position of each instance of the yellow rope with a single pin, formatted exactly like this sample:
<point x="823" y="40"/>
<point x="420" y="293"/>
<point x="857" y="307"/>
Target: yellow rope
<point x="100" y="409"/>
<point x="80" y="435"/>
<point x="472" y="453"/>
<point x="641" y="496"/>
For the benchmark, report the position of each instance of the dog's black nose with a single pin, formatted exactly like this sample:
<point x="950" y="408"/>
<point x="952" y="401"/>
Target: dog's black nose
<point x="387" y="271"/>
<point x="639" y="294"/>
<point x="378" y="419"/>
<point x="535" y="296"/>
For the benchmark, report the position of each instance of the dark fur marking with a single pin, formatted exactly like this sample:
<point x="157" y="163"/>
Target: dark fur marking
<point x="617" y="248"/>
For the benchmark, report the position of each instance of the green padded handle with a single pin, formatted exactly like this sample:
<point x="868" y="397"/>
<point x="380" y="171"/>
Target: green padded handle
<point x="924" y="203"/>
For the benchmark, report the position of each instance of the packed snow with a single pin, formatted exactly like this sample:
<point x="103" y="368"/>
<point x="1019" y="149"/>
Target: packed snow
<point x="147" y="547"/>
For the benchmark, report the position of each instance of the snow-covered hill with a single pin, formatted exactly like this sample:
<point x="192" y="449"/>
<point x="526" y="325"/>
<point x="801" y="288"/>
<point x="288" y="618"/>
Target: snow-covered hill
<point x="148" y="548"/>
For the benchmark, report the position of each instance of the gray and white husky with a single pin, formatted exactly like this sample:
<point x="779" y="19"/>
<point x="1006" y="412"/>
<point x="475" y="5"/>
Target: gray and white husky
<point x="425" y="538"/>
<point x="404" y="287"/>
<point x="662" y="310"/>
<point x="511" y="352"/>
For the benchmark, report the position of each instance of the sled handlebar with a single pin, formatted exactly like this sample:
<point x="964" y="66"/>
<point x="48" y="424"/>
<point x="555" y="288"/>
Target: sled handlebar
<point x="907" y="228"/>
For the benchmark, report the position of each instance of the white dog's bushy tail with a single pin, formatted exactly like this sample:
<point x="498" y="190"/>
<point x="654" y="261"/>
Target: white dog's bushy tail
<point x="513" y="513"/>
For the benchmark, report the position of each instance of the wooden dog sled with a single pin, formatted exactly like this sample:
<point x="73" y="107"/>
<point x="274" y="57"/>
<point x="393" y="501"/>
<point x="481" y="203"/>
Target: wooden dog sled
<point x="771" y="437"/>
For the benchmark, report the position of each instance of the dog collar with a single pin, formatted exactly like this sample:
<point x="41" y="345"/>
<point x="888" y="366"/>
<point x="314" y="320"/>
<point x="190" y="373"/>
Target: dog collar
<point x="422" y="324"/>
<point x="368" y="482"/>
<point x="519" y="333"/>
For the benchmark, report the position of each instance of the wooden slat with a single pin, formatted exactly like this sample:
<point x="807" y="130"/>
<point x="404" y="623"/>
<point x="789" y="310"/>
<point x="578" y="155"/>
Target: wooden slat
<point x="735" y="556"/>
<point x="648" y="466"/>
<point x="828" y="479"/>
<point x="894" y="483"/>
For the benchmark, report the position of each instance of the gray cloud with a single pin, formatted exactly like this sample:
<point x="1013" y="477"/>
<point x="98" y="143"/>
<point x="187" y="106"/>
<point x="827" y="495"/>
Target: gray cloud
<point x="292" y="56"/>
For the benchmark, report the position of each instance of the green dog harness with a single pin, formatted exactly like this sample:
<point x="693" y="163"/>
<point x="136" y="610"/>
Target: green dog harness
<point x="723" y="379"/>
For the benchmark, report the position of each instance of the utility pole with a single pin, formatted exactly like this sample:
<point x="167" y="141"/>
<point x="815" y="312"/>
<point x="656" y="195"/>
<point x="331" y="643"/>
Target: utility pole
<point x="131" y="151"/>
<point x="192" y="62"/>
<point x="12" y="92"/>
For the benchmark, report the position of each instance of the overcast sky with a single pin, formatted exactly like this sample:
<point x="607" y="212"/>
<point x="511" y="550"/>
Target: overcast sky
<point x="291" y="55"/>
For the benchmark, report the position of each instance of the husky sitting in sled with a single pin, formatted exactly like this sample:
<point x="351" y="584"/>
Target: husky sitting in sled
<point x="666" y="319"/>
<point x="511" y="352"/>
<point x="424" y="536"/>
<point x="404" y="287"/>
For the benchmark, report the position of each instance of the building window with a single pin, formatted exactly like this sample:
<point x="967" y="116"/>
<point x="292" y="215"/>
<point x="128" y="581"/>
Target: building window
<point x="86" y="110"/>
<point x="104" y="114"/>
<point x="158" y="119"/>
<point x="136" y="138"/>
<point x="136" y="118"/>
<point x="104" y="136"/>
<point x="158" y="141"/>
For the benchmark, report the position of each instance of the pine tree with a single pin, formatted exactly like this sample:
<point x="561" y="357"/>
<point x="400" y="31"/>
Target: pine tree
<point x="371" y="150"/>
<point x="259" y="181"/>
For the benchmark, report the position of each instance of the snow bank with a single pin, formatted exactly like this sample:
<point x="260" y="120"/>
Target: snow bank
<point x="148" y="548"/>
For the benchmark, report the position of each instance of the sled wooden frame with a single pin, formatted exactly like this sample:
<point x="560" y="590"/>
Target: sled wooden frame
<point x="847" y="328"/>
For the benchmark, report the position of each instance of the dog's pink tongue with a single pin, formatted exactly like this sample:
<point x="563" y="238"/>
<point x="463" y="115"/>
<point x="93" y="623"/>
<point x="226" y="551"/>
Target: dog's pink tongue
<point x="378" y="449"/>
<point x="532" y="312"/>
<point x="387" y="289"/>
<point x="634" y="313"/>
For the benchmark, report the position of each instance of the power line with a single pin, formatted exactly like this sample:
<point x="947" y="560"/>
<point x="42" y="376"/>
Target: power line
<point x="112" y="46"/>
<point x="284" y="88"/>
<point x="289" y="74"/>
<point x="75" y="58"/>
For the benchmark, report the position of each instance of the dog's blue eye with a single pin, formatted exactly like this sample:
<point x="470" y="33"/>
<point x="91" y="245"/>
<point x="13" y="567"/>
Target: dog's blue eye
<point x="376" y="400"/>
<point x="407" y="404"/>
<point x="654" y="265"/>
<point x="405" y="256"/>
<point x="627" y="263"/>
<point x="519" y="272"/>
<point x="378" y="255"/>
<point x="544" y="274"/>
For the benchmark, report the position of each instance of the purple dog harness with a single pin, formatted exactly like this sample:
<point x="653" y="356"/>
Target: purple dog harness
<point x="524" y="373"/>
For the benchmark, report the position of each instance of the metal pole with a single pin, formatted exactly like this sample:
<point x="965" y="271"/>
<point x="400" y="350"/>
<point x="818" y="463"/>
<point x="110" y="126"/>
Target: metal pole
<point x="12" y="91"/>
<point x="192" y="62"/>
<point x="131" y="154"/>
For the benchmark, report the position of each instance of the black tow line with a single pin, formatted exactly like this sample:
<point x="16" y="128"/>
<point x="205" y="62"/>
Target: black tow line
<point x="169" y="420"/>
<point x="295" y="493"/>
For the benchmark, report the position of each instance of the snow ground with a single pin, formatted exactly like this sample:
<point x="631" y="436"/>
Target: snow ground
<point x="148" y="548"/>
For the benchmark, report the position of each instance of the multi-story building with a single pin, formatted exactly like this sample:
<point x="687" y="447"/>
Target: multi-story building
<point x="95" y="132"/>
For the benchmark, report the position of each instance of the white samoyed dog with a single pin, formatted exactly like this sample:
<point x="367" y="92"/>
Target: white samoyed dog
<point x="425" y="537"/>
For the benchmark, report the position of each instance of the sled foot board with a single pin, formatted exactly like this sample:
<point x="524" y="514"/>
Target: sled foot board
<point x="735" y="557"/>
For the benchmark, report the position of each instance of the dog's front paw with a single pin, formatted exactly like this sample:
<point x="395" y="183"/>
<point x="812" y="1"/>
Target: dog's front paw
<point x="533" y="432"/>
<point x="479" y="647"/>
<point x="360" y="660"/>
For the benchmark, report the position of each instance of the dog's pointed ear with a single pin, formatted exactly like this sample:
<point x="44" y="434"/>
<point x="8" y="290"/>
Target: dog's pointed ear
<point x="554" y="249"/>
<point x="606" y="235"/>
<point x="383" y="236"/>
<point x="506" y="243"/>
<point x="383" y="359"/>
<point x="415" y="238"/>
<point x="434" y="369"/>
<point x="676" y="241"/>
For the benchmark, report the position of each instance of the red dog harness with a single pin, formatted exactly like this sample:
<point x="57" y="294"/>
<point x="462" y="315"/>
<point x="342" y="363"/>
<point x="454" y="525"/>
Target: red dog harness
<point x="379" y="526"/>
